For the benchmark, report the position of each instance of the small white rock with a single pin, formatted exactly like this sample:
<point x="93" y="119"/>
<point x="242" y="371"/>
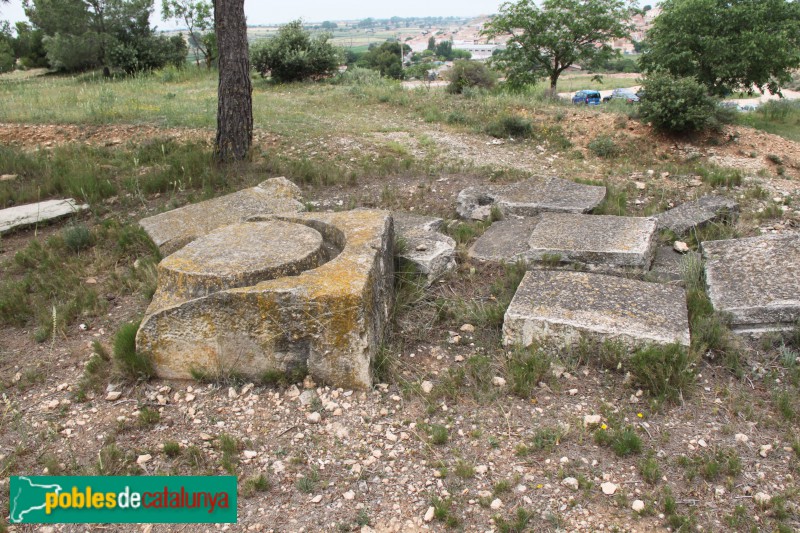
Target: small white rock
<point x="496" y="504"/>
<point x="497" y="381"/>
<point x="142" y="459"/>
<point x="741" y="437"/>
<point x="680" y="247"/>
<point x="232" y="394"/>
<point x="349" y="495"/>
<point x="113" y="396"/>
<point x="702" y="443"/>
<point x="426" y="386"/>
<point x="609" y="488"/>
<point x="592" y="420"/>
<point x="314" y="417"/>
<point x="467" y="328"/>
<point x="317" y="498"/>
<point x="429" y="514"/>
<point x="638" y="506"/>
<point x="765" y="450"/>
<point x="761" y="498"/>
<point x="250" y="454"/>
<point x="570" y="482"/>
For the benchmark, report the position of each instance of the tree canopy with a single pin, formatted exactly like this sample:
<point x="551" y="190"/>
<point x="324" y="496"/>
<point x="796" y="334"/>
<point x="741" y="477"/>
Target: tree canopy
<point x="198" y="16"/>
<point x="294" y="55"/>
<point x="386" y="59"/>
<point x="545" y="41"/>
<point x="726" y="44"/>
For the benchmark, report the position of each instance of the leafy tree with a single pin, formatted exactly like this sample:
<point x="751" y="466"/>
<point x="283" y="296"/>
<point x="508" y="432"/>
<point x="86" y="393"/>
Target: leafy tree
<point x="329" y="26"/>
<point x="726" y="44"/>
<point x="81" y="34"/>
<point x="294" y="55"/>
<point x="546" y="40"/>
<point x="29" y="46"/>
<point x="386" y="59"/>
<point x="432" y="43"/>
<point x="6" y="56"/>
<point x="198" y="16"/>
<point x="676" y="104"/>
<point x="235" y="91"/>
<point x="469" y="74"/>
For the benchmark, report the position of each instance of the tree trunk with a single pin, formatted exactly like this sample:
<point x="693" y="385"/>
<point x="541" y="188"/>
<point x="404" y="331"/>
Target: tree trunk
<point x="235" y="105"/>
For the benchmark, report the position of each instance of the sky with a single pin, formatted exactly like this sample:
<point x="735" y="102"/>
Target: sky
<point x="261" y="12"/>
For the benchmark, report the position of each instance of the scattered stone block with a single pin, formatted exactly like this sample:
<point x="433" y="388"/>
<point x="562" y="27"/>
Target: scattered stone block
<point x="8" y="177"/>
<point x="432" y="253"/>
<point x="593" y="240"/>
<point x="697" y="213"/>
<point x="276" y="294"/>
<point x="755" y="281"/>
<point x="28" y="215"/>
<point x="504" y="241"/>
<point x="561" y="306"/>
<point x="529" y="198"/>
<point x="174" y="229"/>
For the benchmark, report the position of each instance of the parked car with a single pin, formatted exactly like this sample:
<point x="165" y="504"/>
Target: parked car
<point x="586" y="97"/>
<point x="622" y="94"/>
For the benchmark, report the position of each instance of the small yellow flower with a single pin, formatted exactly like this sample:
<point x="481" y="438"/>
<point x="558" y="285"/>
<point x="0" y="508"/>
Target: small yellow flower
<point x="640" y="415"/>
<point x="603" y="426"/>
<point x="539" y="486"/>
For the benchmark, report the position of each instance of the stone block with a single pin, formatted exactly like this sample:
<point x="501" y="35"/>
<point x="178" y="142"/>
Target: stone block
<point x="432" y="253"/>
<point x="529" y="198"/>
<point x="273" y="294"/>
<point x="505" y="241"/>
<point x="594" y="240"/>
<point x="22" y="216"/>
<point x="697" y="213"/>
<point x="755" y="280"/>
<point x="559" y="307"/>
<point x="174" y="229"/>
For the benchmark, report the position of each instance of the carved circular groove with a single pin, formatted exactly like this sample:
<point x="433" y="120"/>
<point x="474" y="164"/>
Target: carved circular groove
<point x="242" y="255"/>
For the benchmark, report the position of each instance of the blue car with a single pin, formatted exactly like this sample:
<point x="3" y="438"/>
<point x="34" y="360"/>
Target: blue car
<point x="587" y="98"/>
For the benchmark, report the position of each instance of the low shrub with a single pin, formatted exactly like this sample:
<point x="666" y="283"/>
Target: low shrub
<point x="676" y="105"/>
<point x="469" y="74"/>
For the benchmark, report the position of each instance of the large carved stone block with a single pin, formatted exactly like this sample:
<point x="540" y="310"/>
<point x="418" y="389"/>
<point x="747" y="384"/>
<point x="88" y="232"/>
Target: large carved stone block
<point x="276" y="293"/>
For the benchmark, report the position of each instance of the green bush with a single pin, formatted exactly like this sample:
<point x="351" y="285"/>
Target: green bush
<point x="667" y="372"/>
<point x="603" y="146"/>
<point x="6" y="56"/>
<point x="77" y="238"/>
<point x="294" y="55"/>
<point x="510" y="126"/>
<point x="676" y="105"/>
<point x="469" y="74"/>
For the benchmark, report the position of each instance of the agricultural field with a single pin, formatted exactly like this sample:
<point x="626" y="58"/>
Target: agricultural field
<point x="460" y="432"/>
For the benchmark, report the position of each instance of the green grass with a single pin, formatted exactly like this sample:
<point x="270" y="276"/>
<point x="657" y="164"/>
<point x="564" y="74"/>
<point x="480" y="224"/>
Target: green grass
<point x="780" y="117"/>
<point x="526" y="368"/>
<point x="131" y="363"/>
<point x="666" y="372"/>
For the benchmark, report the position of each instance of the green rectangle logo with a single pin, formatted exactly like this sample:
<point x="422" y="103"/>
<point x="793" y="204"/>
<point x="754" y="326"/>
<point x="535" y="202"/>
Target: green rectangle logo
<point x="122" y="500"/>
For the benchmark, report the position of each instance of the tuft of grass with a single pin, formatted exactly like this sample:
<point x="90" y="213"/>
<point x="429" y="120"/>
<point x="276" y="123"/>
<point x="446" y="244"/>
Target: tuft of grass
<point x="148" y="417"/>
<point x="666" y="372"/>
<point x="615" y="202"/>
<point x="77" y="238"/>
<point x="526" y="368"/>
<point x="230" y="447"/>
<point x="520" y="522"/>
<point x="308" y="483"/>
<point x="649" y="469"/>
<point x="721" y="177"/>
<point x="464" y="470"/>
<point x="439" y="434"/>
<point x="624" y="441"/>
<point x="254" y="484"/>
<point x="132" y="364"/>
<point x="443" y="512"/>
<point x="112" y="461"/>
<point x="510" y="126"/>
<point x="172" y="449"/>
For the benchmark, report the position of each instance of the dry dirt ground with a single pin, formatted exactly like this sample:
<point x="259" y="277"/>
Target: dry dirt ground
<point x="370" y="458"/>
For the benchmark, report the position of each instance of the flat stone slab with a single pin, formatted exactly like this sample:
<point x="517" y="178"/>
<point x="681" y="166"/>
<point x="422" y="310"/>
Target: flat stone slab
<point x="561" y="306"/>
<point x="505" y="241"/>
<point x="695" y="214"/>
<point x="31" y="214"/>
<point x="275" y="294"/>
<point x="174" y="229"/>
<point x="755" y="280"/>
<point x="432" y="253"/>
<point x="593" y="240"/>
<point x="529" y="198"/>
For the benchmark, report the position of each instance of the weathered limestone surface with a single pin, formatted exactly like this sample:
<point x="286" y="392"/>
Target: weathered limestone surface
<point x="27" y="215"/>
<point x="174" y="229"/>
<point x="273" y="310"/>
<point x="529" y="198"/>
<point x="505" y="241"/>
<point x="594" y="240"/>
<point x="561" y="306"/>
<point x="755" y="280"/>
<point x="433" y="253"/>
<point x="698" y="213"/>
